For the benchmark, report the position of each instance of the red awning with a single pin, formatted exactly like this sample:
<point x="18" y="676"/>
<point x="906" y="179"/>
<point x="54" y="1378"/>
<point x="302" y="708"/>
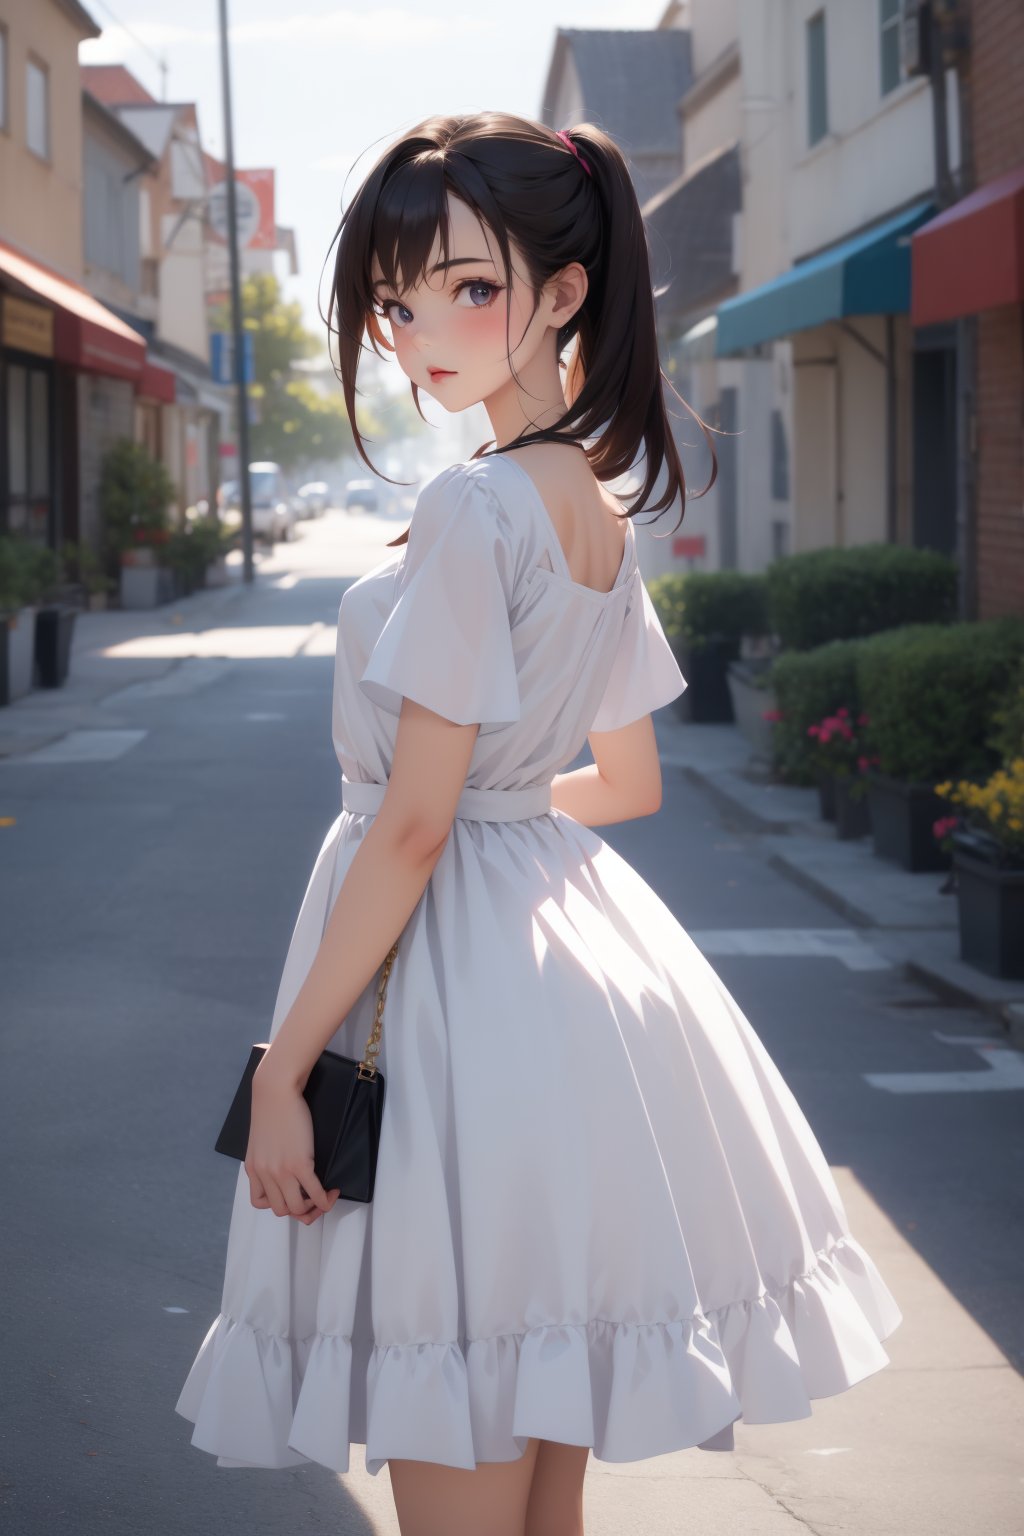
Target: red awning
<point x="157" y="382"/>
<point x="86" y="334"/>
<point x="971" y="257"/>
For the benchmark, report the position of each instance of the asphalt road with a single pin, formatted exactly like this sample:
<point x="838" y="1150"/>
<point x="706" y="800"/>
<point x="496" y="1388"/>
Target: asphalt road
<point x="148" y="898"/>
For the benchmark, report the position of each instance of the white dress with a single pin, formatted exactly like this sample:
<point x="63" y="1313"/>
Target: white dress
<point x="600" y="1216"/>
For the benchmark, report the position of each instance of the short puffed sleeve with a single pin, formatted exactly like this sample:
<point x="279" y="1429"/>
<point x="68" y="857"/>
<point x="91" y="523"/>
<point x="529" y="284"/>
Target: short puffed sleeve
<point x="447" y="642"/>
<point x="645" y="674"/>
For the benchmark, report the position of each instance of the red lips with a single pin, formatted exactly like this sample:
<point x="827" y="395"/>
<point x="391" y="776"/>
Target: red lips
<point x="440" y="373"/>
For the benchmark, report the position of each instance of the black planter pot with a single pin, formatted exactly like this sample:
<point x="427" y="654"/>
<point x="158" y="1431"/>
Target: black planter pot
<point x="902" y="815"/>
<point x="853" y="816"/>
<point x="990" y="901"/>
<point x="55" y="628"/>
<point x="707" y="700"/>
<point x="826" y="794"/>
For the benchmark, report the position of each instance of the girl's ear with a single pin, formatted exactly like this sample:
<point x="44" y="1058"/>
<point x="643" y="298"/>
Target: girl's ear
<point x="567" y="291"/>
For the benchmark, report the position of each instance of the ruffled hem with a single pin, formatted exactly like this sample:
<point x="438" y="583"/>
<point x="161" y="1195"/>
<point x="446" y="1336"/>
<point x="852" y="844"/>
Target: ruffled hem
<point x="627" y="1390"/>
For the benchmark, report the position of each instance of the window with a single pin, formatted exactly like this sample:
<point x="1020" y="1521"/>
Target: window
<point x="817" y="96"/>
<point x="3" y="79"/>
<point x="890" y="22"/>
<point x="780" y="458"/>
<point x="37" y="109"/>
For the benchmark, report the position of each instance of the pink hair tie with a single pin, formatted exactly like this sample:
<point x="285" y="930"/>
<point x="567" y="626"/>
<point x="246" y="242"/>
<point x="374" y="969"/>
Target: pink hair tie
<point x="563" y="134"/>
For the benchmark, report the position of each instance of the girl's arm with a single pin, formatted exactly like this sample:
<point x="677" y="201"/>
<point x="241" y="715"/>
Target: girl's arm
<point x="386" y="878"/>
<point x="622" y="783"/>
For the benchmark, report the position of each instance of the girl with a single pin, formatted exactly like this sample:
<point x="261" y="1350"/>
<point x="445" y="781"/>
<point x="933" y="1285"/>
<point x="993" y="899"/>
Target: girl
<point x="600" y="1220"/>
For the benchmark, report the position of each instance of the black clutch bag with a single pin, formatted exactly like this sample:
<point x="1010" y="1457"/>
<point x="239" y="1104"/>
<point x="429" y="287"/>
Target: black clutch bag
<point x="346" y="1104"/>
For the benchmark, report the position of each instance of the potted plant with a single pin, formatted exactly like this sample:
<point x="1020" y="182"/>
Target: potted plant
<point x="97" y="586"/>
<point x="18" y="586"/>
<point x="931" y="691"/>
<point x="135" y="494"/>
<point x="55" y="623"/>
<point x="754" y="705"/>
<point x="988" y="852"/>
<point x="841" y="760"/>
<point x="705" y="615"/>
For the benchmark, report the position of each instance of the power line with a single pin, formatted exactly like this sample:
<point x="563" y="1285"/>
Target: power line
<point x="158" y="60"/>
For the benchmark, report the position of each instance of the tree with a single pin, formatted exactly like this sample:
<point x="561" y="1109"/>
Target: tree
<point x="295" y="422"/>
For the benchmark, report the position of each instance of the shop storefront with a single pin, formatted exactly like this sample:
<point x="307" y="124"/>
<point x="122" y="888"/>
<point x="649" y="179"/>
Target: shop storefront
<point x="69" y="369"/>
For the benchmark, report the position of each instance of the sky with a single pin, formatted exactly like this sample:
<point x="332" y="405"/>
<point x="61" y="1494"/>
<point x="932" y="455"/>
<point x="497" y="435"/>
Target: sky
<point x="317" y="92"/>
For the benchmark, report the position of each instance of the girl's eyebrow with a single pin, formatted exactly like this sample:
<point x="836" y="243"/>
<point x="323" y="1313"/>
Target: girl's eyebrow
<point x="456" y="261"/>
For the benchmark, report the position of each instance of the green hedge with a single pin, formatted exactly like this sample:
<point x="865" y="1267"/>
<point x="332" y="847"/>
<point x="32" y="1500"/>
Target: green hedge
<point x="841" y="594"/>
<point x="809" y="685"/>
<point x="932" y="694"/>
<point x="1008" y="736"/>
<point x="707" y="605"/>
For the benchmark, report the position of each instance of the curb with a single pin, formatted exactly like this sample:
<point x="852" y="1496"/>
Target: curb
<point x="948" y="977"/>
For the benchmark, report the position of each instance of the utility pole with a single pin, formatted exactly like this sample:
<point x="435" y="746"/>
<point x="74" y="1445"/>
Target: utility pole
<point x="238" y="337"/>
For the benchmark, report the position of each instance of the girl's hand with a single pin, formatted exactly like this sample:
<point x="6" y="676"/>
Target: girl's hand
<point x="279" y="1157"/>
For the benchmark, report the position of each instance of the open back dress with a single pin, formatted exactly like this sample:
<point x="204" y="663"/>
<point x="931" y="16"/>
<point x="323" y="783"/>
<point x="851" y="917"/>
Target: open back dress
<point x="600" y="1216"/>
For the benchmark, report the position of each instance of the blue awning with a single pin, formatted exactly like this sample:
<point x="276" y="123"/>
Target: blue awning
<point x="868" y="274"/>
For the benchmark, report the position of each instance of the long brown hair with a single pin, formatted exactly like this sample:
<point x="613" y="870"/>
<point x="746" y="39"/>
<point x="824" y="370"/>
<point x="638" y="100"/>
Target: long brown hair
<point x="524" y="183"/>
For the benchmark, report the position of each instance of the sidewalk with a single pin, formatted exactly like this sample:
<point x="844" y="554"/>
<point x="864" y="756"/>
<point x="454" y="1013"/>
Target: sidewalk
<point x="912" y="923"/>
<point x="100" y="669"/>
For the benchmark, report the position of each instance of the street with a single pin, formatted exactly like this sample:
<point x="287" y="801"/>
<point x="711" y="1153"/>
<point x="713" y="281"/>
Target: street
<point x="154" y="854"/>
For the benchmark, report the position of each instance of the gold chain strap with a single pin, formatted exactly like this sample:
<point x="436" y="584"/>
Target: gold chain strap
<point x="368" y="1065"/>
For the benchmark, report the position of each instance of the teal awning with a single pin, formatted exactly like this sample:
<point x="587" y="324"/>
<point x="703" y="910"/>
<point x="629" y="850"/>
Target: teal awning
<point x="868" y="274"/>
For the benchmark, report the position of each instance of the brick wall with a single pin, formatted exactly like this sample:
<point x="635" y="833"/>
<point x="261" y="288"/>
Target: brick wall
<point x="997" y="69"/>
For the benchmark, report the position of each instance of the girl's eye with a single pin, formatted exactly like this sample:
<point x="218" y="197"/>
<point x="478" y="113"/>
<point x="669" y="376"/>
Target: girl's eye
<point x="473" y="286"/>
<point x="385" y="308"/>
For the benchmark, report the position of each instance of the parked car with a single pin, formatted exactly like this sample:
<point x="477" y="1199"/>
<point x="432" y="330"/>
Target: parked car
<point x="273" y="515"/>
<point x="315" y="497"/>
<point x="361" y="494"/>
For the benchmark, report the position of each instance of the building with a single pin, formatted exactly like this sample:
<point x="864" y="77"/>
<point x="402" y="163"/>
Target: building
<point x="187" y="433"/>
<point x="58" y="343"/>
<point x="968" y="283"/>
<point x="626" y="82"/>
<point x="742" y="522"/>
<point x="830" y="106"/>
<point x="116" y="167"/>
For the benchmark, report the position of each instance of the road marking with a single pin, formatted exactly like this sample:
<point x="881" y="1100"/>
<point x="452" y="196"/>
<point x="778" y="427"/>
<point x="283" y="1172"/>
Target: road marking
<point x="82" y="747"/>
<point x="843" y="944"/>
<point x="1005" y="1071"/>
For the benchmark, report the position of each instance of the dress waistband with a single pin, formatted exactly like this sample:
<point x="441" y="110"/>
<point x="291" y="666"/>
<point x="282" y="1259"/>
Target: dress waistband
<point x="365" y="797"/>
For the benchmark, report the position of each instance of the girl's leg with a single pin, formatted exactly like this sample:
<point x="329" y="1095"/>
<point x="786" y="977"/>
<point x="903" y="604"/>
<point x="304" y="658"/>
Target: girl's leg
<point x="434" y="1500"/>
<point x="555" y="1506"/>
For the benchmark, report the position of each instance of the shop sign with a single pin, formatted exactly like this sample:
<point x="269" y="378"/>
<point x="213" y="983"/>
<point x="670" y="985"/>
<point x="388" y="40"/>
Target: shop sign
<point x="27" y="326"/>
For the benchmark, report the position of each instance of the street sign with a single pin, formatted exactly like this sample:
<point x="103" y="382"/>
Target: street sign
<point x="222" y="357"/>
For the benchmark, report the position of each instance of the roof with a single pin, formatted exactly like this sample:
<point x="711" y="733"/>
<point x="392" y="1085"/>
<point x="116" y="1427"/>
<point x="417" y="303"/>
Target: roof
<point x="80" y="17"/>
<point x="114" y="85"/>
<point x="690" y="224"/>
<point x="630" y="81"/>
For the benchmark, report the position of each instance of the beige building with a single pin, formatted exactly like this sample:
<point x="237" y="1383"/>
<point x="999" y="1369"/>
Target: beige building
<point x="839" y="167"/>
<point x="60" y="347"/>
